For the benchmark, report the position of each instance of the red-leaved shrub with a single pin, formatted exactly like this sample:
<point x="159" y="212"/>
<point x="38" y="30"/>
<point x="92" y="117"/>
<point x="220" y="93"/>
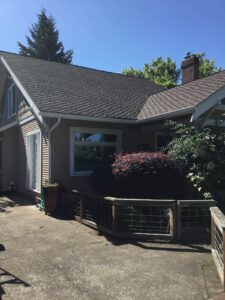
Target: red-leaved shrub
<point x="145" y="174"/>
<point x="138" y="175"/>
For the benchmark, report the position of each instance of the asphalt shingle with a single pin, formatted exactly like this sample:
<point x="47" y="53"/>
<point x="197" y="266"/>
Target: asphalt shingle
<point x="182" y="96"/>
<point x="80" y="91"/>
<point x="69" y="89"/>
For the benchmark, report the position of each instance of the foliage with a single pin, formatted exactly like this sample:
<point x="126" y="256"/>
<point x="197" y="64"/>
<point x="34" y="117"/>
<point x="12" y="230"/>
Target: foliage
<point x="200" y="155"/>
<point x="166" y="73"/>
<point x="206" y="66"/>
<point x="162" y="72"/>
<point x="138" y="175"/>
<point x="44" y="41"/>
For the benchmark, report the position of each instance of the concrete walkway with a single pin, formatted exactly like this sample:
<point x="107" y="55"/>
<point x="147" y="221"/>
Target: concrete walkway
<point x="42" y="257"/>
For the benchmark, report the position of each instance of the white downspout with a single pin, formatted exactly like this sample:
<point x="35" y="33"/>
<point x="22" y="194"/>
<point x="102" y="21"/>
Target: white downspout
<point x="49" y="148"/>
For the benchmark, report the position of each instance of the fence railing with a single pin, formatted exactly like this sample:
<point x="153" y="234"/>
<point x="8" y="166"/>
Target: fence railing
<point x="218" y="241"/>
<point x="153" y="218"/>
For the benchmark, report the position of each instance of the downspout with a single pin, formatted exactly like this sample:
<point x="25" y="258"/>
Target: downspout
<point x="49" y="148"/>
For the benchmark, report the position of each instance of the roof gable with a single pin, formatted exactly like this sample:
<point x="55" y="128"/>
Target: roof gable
<point x="66" y="89"/>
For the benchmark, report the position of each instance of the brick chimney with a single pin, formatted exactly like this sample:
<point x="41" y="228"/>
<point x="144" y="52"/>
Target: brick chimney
<point x="190" y="68"/>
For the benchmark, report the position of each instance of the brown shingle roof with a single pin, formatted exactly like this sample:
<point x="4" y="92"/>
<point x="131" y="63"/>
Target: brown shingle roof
<point x="182" y="96"/>
<point x="80" y="91"/>
<point x="74" y="90"/>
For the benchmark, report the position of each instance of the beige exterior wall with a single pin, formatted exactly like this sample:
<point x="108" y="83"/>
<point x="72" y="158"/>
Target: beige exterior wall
<point x="9" y="157"/>
<point x="149" y="132"/>
<point x="60" y="150"/>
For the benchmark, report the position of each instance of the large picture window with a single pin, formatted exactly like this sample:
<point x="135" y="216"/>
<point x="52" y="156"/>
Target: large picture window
<point x="88" y="147"/>
<point x="12" y="101"/>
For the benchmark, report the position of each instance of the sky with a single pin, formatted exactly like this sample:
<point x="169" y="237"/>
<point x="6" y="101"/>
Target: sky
<point x="115" y="34"/>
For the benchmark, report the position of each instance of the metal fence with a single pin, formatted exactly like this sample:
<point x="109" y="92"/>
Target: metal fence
<point x="193" y="219"/>
<point x="153" y="218"/>
<point x="218" y="240"/>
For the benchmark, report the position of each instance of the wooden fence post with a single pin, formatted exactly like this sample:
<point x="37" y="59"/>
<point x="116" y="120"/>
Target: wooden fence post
<point x="82" y="208"/>
<point x="212" y="233"/>
<point x="114" y="218"/>
<point x="179" y="221"/>
<point x="173" y="221"/>
<point x="223" y="258"/>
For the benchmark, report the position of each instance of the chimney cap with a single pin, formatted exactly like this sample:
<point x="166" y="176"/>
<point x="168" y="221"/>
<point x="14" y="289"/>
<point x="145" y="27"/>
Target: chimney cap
<point x="188" y="55"/>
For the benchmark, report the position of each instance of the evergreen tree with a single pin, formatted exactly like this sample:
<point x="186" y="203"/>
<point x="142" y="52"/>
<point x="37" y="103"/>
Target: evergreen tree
<point x="44" y="41"/>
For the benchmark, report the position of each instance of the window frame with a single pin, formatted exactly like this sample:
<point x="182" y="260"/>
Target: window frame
<point x="162" y="134"/>
<point x="39" y="160"/>
<point x="73" y="130"/>
<point x="10" y="100"/>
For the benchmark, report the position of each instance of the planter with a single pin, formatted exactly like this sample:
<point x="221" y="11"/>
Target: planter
<point x="50" y="198"/>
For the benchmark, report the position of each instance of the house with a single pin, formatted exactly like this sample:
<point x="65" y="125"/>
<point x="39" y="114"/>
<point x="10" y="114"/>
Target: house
<point x="58" y="121"/>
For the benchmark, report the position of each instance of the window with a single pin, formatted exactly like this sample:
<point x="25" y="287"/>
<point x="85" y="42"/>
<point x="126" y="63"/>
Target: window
<point x="34" y="161"/>
<point x="88" y="147"/>
<point x="162" y="140"/>
<point x="12" y="101"/>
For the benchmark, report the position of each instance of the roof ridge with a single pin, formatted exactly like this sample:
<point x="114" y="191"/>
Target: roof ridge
<point x="83" y="67"/>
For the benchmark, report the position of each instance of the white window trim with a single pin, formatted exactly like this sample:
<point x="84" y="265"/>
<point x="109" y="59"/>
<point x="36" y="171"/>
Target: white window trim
<point x="8" y="99"/>
<point x="38" y="164"/>
<point x="73" y="130"/>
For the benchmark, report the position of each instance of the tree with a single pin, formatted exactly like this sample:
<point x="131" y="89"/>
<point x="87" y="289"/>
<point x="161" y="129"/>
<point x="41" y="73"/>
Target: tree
<point x="162" y="72"/>
<point x="206" y="66"/>
<point x="166" y="73"/>
<point x="44" y="41"/>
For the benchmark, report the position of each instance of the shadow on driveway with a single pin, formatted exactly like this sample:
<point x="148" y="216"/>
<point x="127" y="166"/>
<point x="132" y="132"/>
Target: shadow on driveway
<point x="8" y="278"/>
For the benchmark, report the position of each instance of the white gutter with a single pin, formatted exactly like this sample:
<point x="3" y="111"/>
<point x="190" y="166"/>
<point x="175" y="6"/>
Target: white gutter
<point x="86" y="118"/>
<point x="171" y="114"/>
<point x="174" y="113"/>
<point x="49" y="149"/>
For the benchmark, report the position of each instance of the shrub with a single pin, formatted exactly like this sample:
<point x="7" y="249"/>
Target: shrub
<point x="138" y="175"/>
<point x="145" y="175"/>
<point x="200" y="155"/>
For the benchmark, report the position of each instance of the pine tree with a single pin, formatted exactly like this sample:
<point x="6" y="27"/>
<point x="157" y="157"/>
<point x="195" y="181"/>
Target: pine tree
<point x="44" y="41"/>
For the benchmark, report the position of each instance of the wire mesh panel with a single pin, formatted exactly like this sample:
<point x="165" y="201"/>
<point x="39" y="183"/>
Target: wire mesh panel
<point x="194" y="219"/>
<point x="98" y="211"/>
<point x="143" y="219"/>
<point x="218" y="241"/>
<point x="218" y="245"/>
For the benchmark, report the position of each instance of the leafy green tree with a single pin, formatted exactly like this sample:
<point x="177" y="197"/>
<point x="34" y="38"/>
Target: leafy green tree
<point x="206" y="66"/>
<point x="162" y="72"/>
<point x="44" y="41"/>
<point x="200" y="155"/>
<point x="166" y="73"/>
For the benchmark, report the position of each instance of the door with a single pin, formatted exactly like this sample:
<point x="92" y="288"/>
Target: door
<point x="34" y="161"/>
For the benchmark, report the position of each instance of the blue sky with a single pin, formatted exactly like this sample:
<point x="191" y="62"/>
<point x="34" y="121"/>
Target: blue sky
<point x="115" y="34"/>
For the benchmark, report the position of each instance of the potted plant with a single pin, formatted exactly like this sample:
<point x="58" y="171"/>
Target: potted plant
<point x="50" y="196"/>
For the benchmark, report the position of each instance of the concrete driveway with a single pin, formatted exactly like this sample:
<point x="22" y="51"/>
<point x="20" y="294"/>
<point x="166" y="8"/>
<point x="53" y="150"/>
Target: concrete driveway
<point x="42" y="257"/>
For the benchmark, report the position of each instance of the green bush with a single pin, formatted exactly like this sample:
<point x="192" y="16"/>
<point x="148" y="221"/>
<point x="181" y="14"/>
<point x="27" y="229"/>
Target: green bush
<point x="200" y="156"/>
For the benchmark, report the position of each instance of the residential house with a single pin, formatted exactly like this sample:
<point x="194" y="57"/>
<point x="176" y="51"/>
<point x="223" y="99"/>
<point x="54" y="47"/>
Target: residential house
<point x="58" y="121"/>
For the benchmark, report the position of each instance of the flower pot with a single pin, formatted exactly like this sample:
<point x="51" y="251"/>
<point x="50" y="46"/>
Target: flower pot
<point x="50" y="198"/>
